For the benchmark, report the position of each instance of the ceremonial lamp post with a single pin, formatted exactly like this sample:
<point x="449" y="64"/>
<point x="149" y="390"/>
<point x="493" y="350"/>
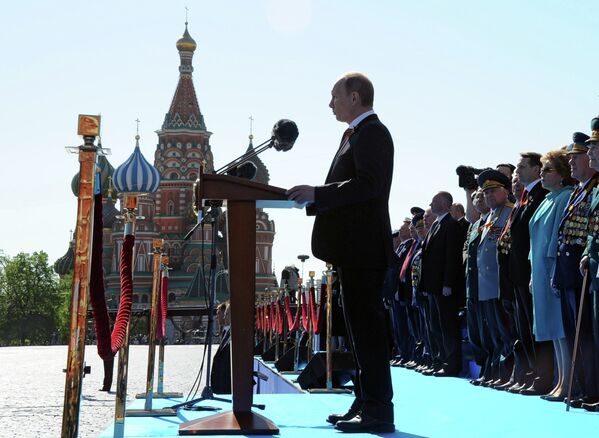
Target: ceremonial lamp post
<point x="89" y="128"/>
<point x="329" y="278"/>
<point x="134" y="178"/>
<point x="129" y="216"/>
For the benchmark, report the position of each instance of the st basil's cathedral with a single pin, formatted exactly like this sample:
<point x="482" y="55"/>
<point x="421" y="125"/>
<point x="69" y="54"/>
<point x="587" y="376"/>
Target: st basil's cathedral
<point x="183" y="146"/>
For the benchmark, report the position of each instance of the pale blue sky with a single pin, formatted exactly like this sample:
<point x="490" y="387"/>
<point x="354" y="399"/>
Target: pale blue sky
<point x="456" y="82"/>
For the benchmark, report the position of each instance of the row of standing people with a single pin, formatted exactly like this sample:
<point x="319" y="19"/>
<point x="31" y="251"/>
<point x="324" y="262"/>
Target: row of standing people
<point x="523" y="253"/>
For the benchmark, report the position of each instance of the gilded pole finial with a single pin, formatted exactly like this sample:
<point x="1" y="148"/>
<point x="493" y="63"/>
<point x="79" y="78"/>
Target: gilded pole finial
<point x="251" y="128"/>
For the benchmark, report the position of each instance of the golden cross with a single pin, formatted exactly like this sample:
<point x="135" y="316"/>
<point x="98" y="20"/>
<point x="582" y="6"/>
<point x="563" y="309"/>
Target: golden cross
<point x="137" y="122"/>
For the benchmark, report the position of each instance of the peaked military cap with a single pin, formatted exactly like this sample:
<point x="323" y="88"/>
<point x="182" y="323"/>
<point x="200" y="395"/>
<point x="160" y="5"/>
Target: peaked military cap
<point x="416" y="210"/>
<point x="491" y="179"/>
<point x="418" y="220"/>
<point x="579" y="145"/>
<point x="594" y="131"/>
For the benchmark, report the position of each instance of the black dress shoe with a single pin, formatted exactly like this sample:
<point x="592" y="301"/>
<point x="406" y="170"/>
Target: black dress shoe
<point x="578" y="402"/>
<point x="591" y="407"/>
<point x="554" y="398"/>
<point x="516" y="388"/>
<point x="364" y="423"/>
<point x="506" y="385"/>
<point x="445" y="373"/>
<point x="335" y="418"/>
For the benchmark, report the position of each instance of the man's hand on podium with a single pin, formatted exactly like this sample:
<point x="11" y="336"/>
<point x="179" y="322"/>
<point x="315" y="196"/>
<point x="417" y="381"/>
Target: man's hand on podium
<point x="301" y="194"/>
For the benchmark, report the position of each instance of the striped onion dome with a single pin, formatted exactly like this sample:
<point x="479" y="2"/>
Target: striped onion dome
<point x="136" y="175"/>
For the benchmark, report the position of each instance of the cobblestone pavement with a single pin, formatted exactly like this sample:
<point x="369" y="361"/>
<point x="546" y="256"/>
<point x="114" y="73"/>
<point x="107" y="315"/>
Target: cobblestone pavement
<point x="32" y="387"/>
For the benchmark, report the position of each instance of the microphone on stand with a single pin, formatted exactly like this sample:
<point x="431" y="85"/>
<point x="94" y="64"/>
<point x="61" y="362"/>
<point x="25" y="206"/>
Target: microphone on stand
<point x="284" y="134"/>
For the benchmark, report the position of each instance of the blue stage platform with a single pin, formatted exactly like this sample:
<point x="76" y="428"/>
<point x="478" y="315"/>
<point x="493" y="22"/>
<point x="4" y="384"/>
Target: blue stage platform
<point x="424" y="407"/>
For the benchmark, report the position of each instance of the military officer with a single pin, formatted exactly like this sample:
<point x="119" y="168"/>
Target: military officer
<point x="474" y="320"/>
<point x="567" y="279"/>
<point x="590" y="259"/>
<point x="496" y="189"/>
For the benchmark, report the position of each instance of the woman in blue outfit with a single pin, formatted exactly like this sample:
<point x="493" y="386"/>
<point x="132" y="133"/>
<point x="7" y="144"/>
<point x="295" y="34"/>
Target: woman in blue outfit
<point x="544" y="226"/>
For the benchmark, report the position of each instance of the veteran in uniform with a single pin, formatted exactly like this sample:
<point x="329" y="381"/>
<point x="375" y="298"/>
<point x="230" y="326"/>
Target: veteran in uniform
<point x="496" y="189"/>
<point x="474" y="319"/>
<point x="572" y="238"/>
<point x="590" y="258"/>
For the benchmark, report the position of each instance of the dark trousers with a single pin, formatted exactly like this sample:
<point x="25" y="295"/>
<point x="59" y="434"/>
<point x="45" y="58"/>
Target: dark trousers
<point x="431" y="348"/>
<point x="594" y="308"/>
<point x="412" y="330"/>
<point x="475" y="327"/>
<point x="445" y="330"/>
<point x="585" y="370"/>
<point x="497" y="340"/>
<point x="539" y="355"/>
<point x="368" y="333"/>
<point x="403" y="341"/>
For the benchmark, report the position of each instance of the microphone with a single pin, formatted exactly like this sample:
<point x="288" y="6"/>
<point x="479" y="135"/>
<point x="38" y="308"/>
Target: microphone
<point x="245" y="170"/>
<point x="284" y="134"/>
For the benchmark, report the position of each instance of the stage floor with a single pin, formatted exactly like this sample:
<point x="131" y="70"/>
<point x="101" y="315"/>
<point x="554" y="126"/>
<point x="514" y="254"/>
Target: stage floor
<point x="424" y="407"/>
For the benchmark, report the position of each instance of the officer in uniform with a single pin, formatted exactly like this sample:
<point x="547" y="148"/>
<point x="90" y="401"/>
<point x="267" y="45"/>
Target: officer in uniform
<point x="572" y="239"/>
<point x="405" y="292"/>
<point x="499" y="340"/>
<point x="403" y="345"/>
<point x="590" y="260"/>
<point x="474" y="320"/>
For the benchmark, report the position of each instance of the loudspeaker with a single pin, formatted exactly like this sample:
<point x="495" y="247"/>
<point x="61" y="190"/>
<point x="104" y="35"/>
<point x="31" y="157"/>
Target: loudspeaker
<point x="286" y="361"/>
<point x="315" y="373"/>
<point x="269" y="355"/>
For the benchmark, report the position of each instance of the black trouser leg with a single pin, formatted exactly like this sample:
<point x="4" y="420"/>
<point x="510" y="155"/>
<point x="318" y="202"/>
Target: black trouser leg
<point x="584" y="369"/>
<point x="365" y="318"/>
<point x="475" y="334"/>
<point x="523" y="319"/>
<point x="445" y="319"/>
<point x="435" y="335"/>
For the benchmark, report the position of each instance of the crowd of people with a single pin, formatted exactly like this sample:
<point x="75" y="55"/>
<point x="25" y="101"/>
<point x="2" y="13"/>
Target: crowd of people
<point x="516" y="263"/>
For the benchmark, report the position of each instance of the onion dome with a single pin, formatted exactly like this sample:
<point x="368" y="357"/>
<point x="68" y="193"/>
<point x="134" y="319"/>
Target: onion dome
<point x="65" y="264"/>
<point x="136" y="175"/>
<point x="106" y="171"/>
<point x="186" y="43"/>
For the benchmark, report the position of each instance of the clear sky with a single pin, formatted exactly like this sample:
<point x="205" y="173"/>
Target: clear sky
<point x="456" y="82"/>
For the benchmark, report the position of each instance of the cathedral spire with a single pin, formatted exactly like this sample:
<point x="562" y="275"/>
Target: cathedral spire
<point x="184" y="113"/>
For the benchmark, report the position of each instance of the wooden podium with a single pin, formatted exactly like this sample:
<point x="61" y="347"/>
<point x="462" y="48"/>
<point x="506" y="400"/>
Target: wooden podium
<point x="241" y="197"/>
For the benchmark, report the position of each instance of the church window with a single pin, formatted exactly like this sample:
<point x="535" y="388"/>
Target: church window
<point x="174" y="176"/>
<point x="170" y="208"/>
<point x="144" y="298"/>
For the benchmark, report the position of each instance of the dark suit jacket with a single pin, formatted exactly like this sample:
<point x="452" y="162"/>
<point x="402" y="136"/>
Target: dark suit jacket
<point x="519" y="265"/>
<point x="352" y="226"/>
<point x="442" y="258"/>
<point x="464" y="226"/>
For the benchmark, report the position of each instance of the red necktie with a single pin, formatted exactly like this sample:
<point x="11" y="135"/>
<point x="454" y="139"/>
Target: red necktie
<point x="524" y="197"/>
<point x="406" y="263"/>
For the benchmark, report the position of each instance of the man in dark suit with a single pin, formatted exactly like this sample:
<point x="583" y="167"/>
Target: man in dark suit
<point x="442" y="278"/>
<point x="539" y="355"/>
<point x="352" y="230"/>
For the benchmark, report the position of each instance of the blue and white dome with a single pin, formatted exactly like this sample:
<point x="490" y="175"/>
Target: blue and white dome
<point x="136" y="175"/>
